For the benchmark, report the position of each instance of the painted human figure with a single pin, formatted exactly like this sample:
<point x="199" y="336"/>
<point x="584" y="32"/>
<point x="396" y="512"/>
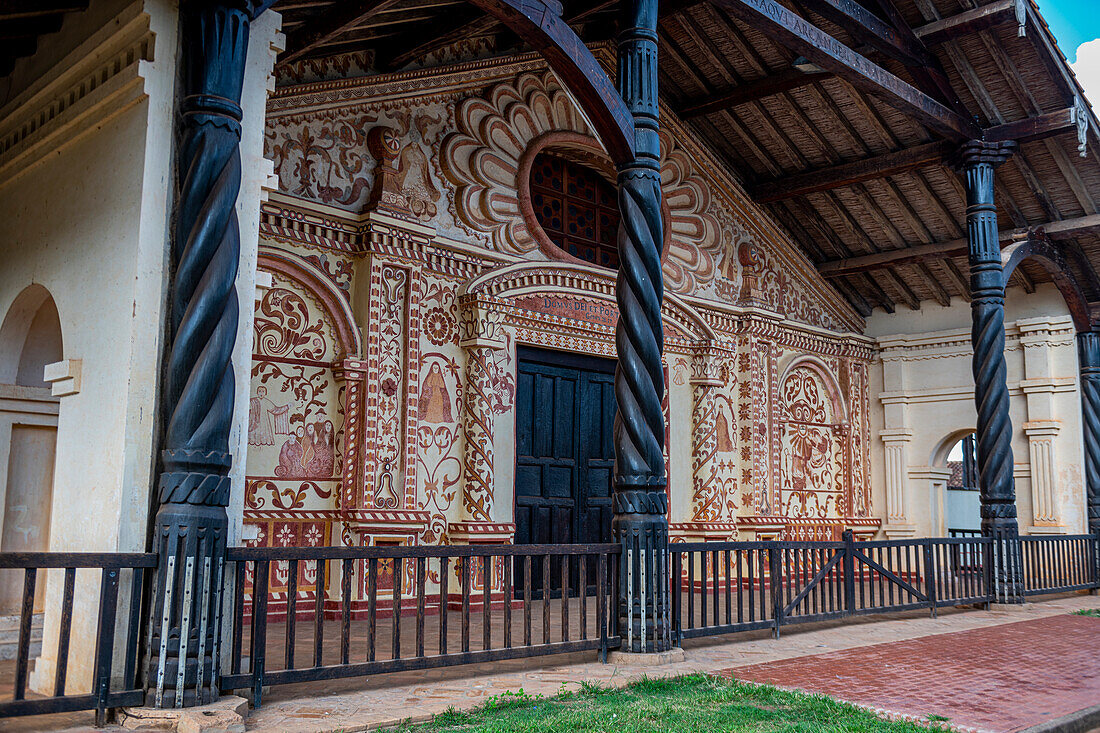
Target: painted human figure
<point x="266" y="419"/>
<point x="324" y="444"/>
<point x="290" y="455"/>
<point x="436" y="398"/>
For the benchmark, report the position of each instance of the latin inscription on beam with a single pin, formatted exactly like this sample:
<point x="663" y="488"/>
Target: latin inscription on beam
<point x="833" y="55"/>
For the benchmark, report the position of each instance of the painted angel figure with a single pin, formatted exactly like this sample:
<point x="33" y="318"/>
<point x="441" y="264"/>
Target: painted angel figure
<point x="266" y="419"/>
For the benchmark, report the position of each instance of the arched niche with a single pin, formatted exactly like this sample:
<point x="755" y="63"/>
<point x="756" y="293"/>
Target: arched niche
<point x="320" y="286"/>
<point x="30" y="339"/>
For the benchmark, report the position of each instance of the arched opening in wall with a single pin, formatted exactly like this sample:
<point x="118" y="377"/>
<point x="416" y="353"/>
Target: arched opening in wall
<point x="961" y="500"/>
<point x="577" y="208"/>
<point x="30" y="338"/>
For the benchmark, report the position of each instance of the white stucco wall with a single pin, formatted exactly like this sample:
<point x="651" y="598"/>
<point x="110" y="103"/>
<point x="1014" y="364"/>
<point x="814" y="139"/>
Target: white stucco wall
<point x="923" y="402"/>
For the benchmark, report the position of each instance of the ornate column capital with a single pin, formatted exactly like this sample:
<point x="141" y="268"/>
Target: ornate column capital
<point x="707" y="364"/>
<point x="981" y="152"/>
<point x="480" y="323"/>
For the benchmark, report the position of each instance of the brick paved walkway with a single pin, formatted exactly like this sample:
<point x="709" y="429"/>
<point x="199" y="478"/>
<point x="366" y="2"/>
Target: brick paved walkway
<point x="997" y="679"/>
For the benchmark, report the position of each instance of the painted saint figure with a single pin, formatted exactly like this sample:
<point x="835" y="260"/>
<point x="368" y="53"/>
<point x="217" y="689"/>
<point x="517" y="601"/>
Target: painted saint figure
<point x="266" y="419"/>
<point x="436" y="398"/>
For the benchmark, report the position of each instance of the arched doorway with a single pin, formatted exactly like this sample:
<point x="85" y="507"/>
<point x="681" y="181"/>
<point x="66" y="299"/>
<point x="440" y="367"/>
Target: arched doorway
<point x="30" y="338"/>
<point x="962" y="504"/>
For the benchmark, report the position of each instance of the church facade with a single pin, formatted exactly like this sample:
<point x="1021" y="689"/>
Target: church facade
<point x="428" y="280"/>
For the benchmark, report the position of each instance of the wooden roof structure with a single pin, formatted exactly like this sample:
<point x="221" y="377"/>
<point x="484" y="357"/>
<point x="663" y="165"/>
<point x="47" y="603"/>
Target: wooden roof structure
<point x="837" y="115"/>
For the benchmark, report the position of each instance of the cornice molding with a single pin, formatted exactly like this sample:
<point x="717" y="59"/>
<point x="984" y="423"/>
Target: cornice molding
<point x="97" y="81"/>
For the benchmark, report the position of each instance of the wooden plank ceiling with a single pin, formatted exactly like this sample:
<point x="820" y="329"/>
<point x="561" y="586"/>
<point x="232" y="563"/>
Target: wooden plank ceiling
<point x="837" y="115"/>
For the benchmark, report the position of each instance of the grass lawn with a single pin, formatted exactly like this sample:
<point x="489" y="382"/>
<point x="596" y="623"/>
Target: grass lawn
<point x="1089" y="612"/>
<point x="692" y="703"/>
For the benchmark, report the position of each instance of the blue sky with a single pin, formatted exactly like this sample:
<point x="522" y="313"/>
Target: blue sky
<point x="1073" y="21"/>
<point x="1076" y="25"/>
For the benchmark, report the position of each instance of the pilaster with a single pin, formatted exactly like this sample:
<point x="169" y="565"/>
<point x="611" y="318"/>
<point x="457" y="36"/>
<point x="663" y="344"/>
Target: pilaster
<point x="896" y="442"/>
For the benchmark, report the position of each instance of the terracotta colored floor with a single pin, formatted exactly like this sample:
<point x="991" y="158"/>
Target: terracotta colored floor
<point x="1000" y="679"/>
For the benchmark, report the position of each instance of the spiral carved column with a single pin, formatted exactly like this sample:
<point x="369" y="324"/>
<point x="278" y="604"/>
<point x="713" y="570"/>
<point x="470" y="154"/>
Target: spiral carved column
<point x="1088" y="356"/>
<point x="198" y="385"/>
<point x="977" y="160"/>
<point x="640" y="500"/>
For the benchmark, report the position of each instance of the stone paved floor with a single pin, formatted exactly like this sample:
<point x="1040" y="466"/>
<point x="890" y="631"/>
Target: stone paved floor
<point x="365" y="704"/>
<point x="1049" y="668"/>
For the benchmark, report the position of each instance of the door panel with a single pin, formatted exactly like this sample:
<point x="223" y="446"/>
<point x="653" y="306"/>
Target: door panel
<point x="565" y="408"/>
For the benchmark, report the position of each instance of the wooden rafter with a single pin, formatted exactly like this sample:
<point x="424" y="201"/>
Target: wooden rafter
<point x="982" y="18"/>
<point x="867" y="27"/>
<point x="797" y="33"/>
<point x="751" y="91"/>
<point x="10" y="9"/>
<point x="951" y="248"/>
<point x="1029" y="129"/>
<point x="342" y="18"/>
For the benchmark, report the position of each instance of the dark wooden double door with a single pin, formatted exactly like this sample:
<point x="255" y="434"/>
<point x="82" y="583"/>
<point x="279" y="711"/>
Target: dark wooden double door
<point x="565" y="409"/>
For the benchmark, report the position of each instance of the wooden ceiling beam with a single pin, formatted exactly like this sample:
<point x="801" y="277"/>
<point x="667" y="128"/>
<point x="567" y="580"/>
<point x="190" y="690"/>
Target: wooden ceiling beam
<point x="794" y="31"/>
<point x="10" y="9"/>
<point x="1029" y="129"/>
<point x="29" y="27"/>
<point x="343" y="17"/>
<point x="971" y="21"/>
<point x="867" y="27"/>
<point x="752" y="91"/>
<point x="882" y="260"/>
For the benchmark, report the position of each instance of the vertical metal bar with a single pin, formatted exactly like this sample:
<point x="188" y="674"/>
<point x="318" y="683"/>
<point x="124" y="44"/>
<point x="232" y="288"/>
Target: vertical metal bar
<point x="508" y="601"/>
<point x="527" y="600"/>
<point x="291" y="613"/>
<point x="753" y="556"/>
<point x="219" y="602"/>
<point x="238" y="616"/>
<point x="372" y="608"/>
<point x="169" y="591"/>
<point x="691" y="589"/>
<point x="565" y="597"/>
<point x="259" y="629"/>
<point x="775" y="569"/>
<point x="601" y="603"/>
<point x="486" y="603"/>
<point x="714" y="587"/>
<point x="677" y="598"/>
<point x="185" y="627"/>
<point x="26" y="611"/>
<point x="464" y="566"/>
<point x="582" y="592"/>
<point x="63" y="635"/>
<point x="729" y="581"/>
<point x="929" y="576"/>
<point x="105" y="642"/>
<point x="703" y="576"/>
<point x="204" y="609"/>
<point x="444" y="582"/>
<point x="546" y="599"/>
<point x="346" y="568"/>
<point x="398" y="587"/>
<point x="319" y="614"/>
<point x="421" y="581"/>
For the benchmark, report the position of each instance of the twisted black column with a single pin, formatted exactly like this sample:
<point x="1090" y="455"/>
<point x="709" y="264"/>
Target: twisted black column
<point x="198" y="385"/>
<point x="1088" y="357"/>
<point x="977" y="160"/>
<point x="640" y="501"/>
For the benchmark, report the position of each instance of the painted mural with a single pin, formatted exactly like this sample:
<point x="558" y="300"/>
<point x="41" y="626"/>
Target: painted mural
<point x="409" y="268"/>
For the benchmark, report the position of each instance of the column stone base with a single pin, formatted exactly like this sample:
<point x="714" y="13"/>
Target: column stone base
<point x="227" y="715"/>
<point x="648" y="659"/>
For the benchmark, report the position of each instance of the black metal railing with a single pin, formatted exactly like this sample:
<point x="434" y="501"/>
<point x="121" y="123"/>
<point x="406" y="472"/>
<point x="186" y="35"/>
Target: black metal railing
<point x="528" y="600"/>
<point x="722" y="587"/>
<point x="1059" y="564"/>
<point x="108" y="689"/>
